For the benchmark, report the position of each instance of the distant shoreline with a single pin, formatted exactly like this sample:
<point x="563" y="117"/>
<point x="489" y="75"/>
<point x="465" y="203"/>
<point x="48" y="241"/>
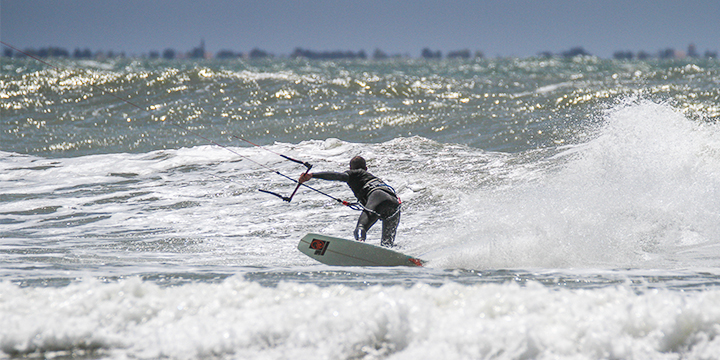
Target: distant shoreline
<point x="426" y="53"/>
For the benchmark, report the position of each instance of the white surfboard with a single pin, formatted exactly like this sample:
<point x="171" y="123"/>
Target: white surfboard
<point x="341" y="252"/>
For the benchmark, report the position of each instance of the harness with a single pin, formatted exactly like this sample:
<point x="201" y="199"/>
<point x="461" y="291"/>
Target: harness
<point x="377" y="184"/>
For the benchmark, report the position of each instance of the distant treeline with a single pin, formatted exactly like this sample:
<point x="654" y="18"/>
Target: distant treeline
<point x="200" y="53"/>
<point x="668" y="53"/>
<point x="426" y="53"/>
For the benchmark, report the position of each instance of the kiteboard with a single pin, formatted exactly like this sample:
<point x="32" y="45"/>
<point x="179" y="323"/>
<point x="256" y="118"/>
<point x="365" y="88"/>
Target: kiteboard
<point x="341" y="252"/>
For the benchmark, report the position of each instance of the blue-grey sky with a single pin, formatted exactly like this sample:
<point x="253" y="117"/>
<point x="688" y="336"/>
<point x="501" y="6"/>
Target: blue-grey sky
<point x="495" y="27"/>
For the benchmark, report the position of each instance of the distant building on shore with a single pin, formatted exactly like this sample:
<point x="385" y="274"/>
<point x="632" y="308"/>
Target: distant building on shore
<point x="198" y="52"/>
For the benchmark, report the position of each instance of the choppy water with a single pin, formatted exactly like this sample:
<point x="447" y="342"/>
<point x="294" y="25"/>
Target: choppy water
<point x="566" y="208"/>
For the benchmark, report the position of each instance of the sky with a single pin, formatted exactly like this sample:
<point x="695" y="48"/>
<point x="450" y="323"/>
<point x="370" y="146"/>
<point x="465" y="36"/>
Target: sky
<point x="504" y="28"/>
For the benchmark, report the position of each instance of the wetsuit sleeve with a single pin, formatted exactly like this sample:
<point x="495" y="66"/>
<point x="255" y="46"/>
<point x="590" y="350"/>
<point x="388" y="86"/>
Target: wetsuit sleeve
<point x="331" y="175"/>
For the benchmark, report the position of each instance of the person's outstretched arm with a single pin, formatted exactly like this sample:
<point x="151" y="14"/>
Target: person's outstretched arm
<point x="325" y="175"/>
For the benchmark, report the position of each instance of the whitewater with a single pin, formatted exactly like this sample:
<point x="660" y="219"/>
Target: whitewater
<point x="565" y="208"/>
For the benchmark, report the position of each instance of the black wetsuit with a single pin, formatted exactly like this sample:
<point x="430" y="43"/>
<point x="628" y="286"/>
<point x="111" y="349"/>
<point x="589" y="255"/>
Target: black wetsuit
<point x="374" y="195"/>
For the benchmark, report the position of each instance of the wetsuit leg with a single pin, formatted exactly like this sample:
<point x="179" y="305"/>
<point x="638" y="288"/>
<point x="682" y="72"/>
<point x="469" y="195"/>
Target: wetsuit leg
<point x="389" y="229"/>
<point x="365" y="222"/>
<point x="386" y="205"/>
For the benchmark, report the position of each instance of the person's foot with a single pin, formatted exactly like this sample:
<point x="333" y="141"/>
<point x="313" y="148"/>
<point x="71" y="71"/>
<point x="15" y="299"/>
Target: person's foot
<point x="360" y="233"/>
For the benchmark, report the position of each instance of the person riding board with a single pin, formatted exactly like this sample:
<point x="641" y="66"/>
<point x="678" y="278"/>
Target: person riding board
<point x="378" y="199"/>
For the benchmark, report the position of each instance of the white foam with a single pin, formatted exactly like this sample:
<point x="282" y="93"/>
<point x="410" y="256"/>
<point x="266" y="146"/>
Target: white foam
<point x="241" y="319"/>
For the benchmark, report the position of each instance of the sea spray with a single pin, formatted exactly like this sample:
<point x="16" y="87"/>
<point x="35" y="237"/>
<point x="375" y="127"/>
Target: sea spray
<point x="644" y="188"/>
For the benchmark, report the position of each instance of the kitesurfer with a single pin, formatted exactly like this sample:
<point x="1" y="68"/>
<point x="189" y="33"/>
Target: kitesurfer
<point x="378" y="199"/>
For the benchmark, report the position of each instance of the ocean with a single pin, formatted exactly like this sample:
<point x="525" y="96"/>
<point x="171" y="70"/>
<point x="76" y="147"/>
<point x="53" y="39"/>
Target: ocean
<point x="565" y="208"/>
